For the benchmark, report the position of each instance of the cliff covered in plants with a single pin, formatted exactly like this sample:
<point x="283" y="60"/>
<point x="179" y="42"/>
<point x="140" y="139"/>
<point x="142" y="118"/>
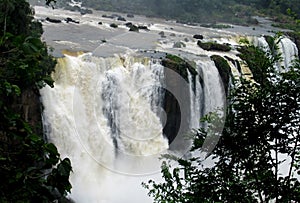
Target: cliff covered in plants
<point x="31" y="169"/>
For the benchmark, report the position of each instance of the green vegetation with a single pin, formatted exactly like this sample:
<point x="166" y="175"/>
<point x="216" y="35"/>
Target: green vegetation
<point x="213" y="46"/>
<point x="179" y="65"/>
<point x="285" y="13"/>
<point x="30" y="168"/>
<point x="223" y="69"/>
<point x="259" y="138"/>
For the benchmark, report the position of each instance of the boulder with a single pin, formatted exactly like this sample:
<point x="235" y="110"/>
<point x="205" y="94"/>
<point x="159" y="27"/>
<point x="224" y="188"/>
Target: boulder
<point x="179" y="45"/>
<point x="143" y="27"/>
<point x="120" y="18"/>
<point x="129" y="24"/>
<point x="130" y="15"/>
<point x="197" y="36"/>
<point x="113" y="25"/>
<point x="51" y="20"/>
<point x="133" y="28"/>
<point x="162" y="34"/>
<point x="70" y="20"/>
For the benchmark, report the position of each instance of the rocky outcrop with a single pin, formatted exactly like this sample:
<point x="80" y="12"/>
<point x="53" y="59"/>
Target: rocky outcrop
<point x="176" y="104"/>
<point x="179" y="65"/>
<point x="213" y="46"/>
<point x="223" y="69"/>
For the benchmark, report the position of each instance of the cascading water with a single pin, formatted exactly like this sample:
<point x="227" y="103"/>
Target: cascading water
<point x="214" y="93"/>
<point x="105" y="115"/>
<point x="99" y="115"/>
<point x="289" y="52"/>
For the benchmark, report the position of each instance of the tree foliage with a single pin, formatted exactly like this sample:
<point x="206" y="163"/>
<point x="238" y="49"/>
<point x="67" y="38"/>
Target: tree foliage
<point x="257" y="158"/>
<point x="30" y="168"/>
<point x="234" y="11"/>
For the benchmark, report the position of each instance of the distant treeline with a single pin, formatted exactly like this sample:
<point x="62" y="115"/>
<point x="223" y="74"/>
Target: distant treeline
<point x="204" y="11"/>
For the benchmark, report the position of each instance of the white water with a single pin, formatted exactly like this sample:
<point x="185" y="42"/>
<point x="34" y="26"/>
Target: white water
<point x="103" y="114"/>
<point x="114" y="147"/>
<point x="106" y="160"/>
<point x="289" y="52"/>
<point x="214" y="93"/>
<point x="195" y="92"/>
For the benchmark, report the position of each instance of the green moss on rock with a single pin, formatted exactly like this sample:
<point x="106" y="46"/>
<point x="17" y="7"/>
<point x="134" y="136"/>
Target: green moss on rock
<point x="223" y="68"/>
<point x="179" y="65"/>
<point x="213" y="46"/>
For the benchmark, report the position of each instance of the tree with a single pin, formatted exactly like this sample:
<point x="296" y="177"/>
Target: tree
<point x="31" y="169"/>
<point x="259" y="139"/>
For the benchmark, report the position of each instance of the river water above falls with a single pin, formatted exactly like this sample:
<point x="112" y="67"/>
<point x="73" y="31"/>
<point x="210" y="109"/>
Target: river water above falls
<point x="115" y="108"/>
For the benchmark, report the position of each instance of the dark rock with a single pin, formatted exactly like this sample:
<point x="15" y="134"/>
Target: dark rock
<point x="68" y="20"/>
<point x="176" y="106"/>
<point x="120" y="18"/>
<point x="162" y="34"/>
<point x="143" y="27"/>
<point x="133" y="28"/>
<point x="179" y="45"/>
<point x="100" y="23"/>
<point x="197" y="36"/>
<point x="106" y="16"/>
<point x="85" y="11"/>
<point x="129" y="24"/>
<point x="223" y="69"/>
<point x="172" y="35"/>
<point x="130" y="15"/>
<point x="51" y="20"/>
<point x="113" y="25"/>
<point x="213" y="46"/>
<point x="179" y="65"/>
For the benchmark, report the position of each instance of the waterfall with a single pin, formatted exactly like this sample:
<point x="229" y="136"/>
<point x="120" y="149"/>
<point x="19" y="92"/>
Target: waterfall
<point x="289" y="52"/>
<point x="213" y="91"/>
<point x="99" y="115"/>
<point x="286" y="48"/>
<point x="195" y="92"/>
<point x="106" y="115"/>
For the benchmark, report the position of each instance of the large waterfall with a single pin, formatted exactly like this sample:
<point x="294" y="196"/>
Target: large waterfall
<point x="107" y="116"/>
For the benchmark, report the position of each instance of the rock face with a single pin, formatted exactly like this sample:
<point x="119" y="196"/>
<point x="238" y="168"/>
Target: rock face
<point x="176" y="104"/>
<point x="224" y="70"/>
